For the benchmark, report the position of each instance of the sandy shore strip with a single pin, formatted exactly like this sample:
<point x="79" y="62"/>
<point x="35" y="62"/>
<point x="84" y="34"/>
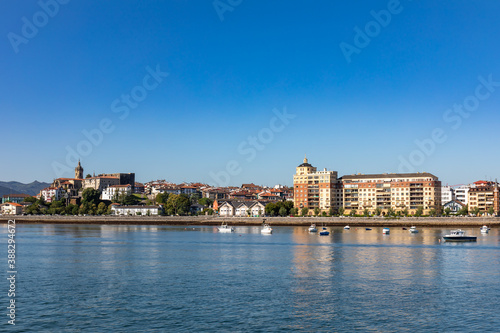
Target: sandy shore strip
<point x="252" y="221"/>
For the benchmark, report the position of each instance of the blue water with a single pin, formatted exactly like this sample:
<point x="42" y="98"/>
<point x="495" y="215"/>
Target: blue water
<point x="93" y="278"/>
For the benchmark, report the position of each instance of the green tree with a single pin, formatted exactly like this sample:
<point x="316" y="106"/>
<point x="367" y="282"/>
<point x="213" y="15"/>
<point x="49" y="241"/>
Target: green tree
<point x="432" y="212"/>
<point x="33" y="209"/>
<point x="316" y="211"/>
<point x="305" y="211"/>
<point x="194" y="198"/>
<point x="491" y="211"/>
<point x="101" y="208"/>
<point x="206" y="202"/>
<point x="282" y="211"/>
<point x="130" y="199"/>
<point x="161" y="198"/>
<point x="331" y="211"/>
<point x="324" y="214"/>
<point x="352" y="212"/>
<point x="390" y="211"/>
<point x="271" y="209"/>
<point x="341" y="211"/>
<point x="57" y="207"/>
<point x="88" y="176"/>
<point x="464" y="210"/>
<point x="475" y="211"/>
<point x="378" y="211"/>
<point x="419" y="211"/>
<point x="366" y="212"/>
<point x="91" y="196"/>
<point x="294" y="211"/>
<point x="177" y="204"/>
<point x="405" y="211"/>
<point x="447" y="211"/>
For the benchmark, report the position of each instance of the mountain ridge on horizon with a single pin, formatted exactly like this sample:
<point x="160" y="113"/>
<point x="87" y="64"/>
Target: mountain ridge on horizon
<point x="15" y="187"/>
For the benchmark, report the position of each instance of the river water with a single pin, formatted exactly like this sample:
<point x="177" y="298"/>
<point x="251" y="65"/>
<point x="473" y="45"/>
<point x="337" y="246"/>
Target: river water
<point x="91" y="278"/>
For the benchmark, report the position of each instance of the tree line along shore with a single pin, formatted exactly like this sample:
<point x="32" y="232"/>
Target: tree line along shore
<point x="252" y="221"/>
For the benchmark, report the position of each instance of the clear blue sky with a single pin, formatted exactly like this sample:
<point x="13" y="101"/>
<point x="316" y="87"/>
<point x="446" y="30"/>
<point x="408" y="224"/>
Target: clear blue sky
<point x="225" y="78"/>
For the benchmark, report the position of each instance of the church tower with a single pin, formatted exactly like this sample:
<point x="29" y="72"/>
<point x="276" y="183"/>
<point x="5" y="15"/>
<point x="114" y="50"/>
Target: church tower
<point x="79" y="171"/>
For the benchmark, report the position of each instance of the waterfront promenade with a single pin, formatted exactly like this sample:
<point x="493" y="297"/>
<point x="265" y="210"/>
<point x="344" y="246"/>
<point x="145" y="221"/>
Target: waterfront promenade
<point x="277" y="221"/>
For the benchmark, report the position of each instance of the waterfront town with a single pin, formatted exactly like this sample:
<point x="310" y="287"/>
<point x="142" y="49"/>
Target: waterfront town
<point x="314" y="193"/>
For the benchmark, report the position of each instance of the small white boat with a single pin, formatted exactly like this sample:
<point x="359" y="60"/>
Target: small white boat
<point x="459" y="236"/>
<point x="313" y="228"/>
<point x="347" y="227"/>
<point x="485" y="229"/>
<point x="413" y="230"/>
<point x="266" y="229"/>
<point x="225" y="228"/>
<point x="386" y="231"/>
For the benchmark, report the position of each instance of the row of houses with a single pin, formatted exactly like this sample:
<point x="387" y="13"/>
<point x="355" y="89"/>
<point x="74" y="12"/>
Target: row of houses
<point x="230" y="208"/>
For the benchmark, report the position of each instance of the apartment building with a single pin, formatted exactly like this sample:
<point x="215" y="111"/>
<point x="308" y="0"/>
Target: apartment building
<point x="316" y="189"/>
<point x="462" y="193"/>
<point x="447" y="194"/>
<point x="484" y="195"/>
<point x="396" y="191"/>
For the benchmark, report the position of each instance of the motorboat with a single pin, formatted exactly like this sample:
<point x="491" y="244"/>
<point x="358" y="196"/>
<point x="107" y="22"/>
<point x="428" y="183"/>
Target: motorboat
<point x="313" y="228"/>
<point x="266" y="229"/>
<point x="224" y="228"/>
<point x="347" y="227"/>
<point x="368" y="228"/>
<point x="459" y="236"/>
<point x="404" y="228"/>
<point x="414" y="230"/>
<point x="324" y="232"/>
<point x="485" y="229"/>
<point x="386" y="231"/>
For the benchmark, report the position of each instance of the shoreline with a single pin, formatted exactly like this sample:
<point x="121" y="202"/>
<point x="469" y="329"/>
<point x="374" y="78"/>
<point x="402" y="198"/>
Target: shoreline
<point x="255" y="221"/>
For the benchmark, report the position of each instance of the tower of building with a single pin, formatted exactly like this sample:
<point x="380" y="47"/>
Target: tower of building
<point x="79" y="171"/>
<point x="496" y="199"/>
<point x="315" y="189"/>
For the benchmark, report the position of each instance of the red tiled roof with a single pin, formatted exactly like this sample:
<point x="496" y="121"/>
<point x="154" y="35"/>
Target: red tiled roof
<point x="13" y="204"/>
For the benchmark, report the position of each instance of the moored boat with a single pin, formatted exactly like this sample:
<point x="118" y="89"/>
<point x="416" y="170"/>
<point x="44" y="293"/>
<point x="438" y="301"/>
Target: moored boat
<point x="485" y="229"/>
<point x="459" y="236"/>
<point x="313" y="228"/>
<point x="413" y="230"/>
<point x="386" y="231"/>
<point x="224" y="228"/>
<point x="324" y="232"/>
<point x="347" y="227"/>
<point x="266" y="229"/>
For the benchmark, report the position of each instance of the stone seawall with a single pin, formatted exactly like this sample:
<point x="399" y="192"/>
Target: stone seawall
<point x="285" y="221"/>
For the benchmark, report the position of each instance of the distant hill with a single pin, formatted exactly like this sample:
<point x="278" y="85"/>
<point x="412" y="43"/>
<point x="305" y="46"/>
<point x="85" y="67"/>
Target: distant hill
<point x="32" y="188"/>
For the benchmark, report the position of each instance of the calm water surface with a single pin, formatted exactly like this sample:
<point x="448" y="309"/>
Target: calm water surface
<point x="90" y="278"/>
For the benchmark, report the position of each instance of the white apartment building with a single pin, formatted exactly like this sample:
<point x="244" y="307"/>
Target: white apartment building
<point x="109" y="192"/>
<point x="462" y="193"/>
<point x="447" y="194"/>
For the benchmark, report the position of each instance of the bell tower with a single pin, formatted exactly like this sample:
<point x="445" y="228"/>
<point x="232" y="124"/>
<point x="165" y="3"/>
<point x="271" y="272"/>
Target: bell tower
<point x="79" y="171"/>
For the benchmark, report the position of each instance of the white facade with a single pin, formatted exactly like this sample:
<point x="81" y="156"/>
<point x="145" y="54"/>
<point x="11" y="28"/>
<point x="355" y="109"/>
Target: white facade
<point x="447" y="194"/>
<point x="241" y="209"/>
<point x="135" y="210"/>
<point x="462" y="193"/>
<point x="52" y="193"/>
<point x="11" y="208"/>
<point x="454" y="206"/>
<point x="226" y="209"/>
<point x="110" y="192"/>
